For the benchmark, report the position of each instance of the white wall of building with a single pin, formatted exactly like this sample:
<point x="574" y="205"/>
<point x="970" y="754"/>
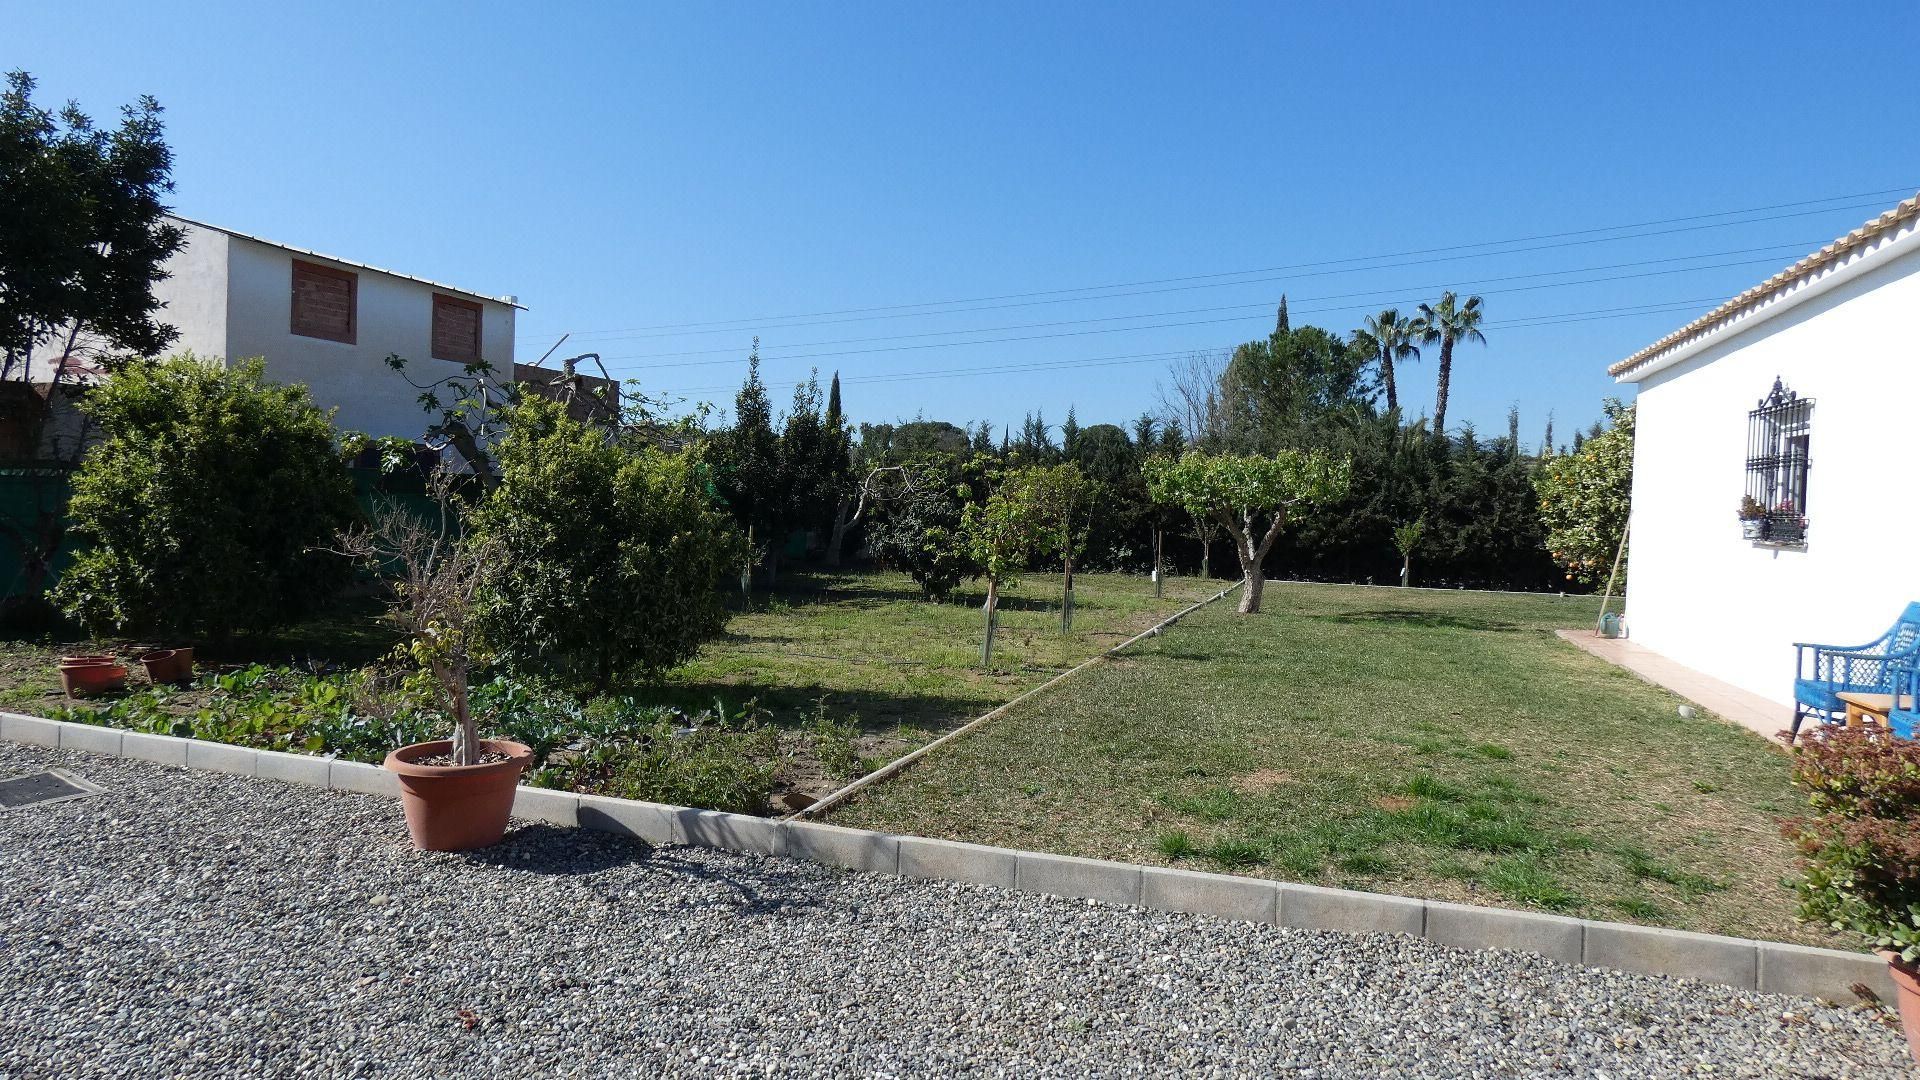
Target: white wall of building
<point x="394" y="315"/>
<point x="195" y="292"/>
<point x="194" y="299"/>
<point x="1701" y="595"/>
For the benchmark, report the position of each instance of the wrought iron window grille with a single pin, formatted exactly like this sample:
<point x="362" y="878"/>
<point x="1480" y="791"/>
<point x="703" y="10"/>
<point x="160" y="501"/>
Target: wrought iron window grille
<point x="1774" y="510"/>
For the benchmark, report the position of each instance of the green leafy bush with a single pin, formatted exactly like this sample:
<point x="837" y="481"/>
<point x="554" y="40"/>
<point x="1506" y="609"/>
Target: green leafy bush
<point x="919" y="530"/>
<point x="207" y="507"/>
<point x="1585" y="497"/>
<point x="1860" y="849"/>
<point x="713" y="761"/>
<point x="609" y="557"/>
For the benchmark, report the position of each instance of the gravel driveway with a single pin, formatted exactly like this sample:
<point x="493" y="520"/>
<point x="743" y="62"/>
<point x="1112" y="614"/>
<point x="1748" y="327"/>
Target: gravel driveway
<point x="193" y="924"/>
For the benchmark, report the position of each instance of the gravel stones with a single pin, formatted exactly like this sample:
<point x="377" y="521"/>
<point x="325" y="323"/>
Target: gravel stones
<point x="189" y="924"/>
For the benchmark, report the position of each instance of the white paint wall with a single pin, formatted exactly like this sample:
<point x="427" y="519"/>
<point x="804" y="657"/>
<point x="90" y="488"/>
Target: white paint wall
<point x="194" y="298"/>
<point x="395" y="315"/>
<point x="1701" y="595"/>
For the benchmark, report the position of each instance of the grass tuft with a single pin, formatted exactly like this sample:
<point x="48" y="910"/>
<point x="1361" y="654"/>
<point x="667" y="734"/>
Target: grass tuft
<point x="1176" y="844"/>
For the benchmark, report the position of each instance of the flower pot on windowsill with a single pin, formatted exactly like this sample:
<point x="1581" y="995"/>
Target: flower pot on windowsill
<point x="1753" y="528"/>
<point x="458" y="807"/>
<point x="1906" y="992"/>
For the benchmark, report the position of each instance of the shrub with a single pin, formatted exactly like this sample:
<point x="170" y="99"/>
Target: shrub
<point x="208" y="504"/>
<point x="712" y="761"/>
<point x="920" y="532"/>
<point x="609" y="557"/>
<point x="1584" y="499"/>
<point x="1860" y="849"/>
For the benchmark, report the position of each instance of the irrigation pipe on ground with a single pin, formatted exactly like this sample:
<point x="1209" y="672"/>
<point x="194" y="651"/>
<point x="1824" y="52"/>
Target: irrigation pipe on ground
<point x="900" y="763"/>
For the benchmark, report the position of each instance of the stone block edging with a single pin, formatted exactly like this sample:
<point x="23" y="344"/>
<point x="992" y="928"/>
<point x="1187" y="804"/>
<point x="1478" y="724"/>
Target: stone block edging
<point x="1770" y="967"/>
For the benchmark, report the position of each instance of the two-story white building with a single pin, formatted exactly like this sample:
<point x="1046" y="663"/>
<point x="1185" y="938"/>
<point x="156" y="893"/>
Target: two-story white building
<point x="1793" y="403"/>
<point x="328" y="323"/>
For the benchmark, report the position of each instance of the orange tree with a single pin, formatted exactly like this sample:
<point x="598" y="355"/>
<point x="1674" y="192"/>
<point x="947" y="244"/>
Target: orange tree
<point x="1252" y="497"/>
<point x="1584" y="498"/>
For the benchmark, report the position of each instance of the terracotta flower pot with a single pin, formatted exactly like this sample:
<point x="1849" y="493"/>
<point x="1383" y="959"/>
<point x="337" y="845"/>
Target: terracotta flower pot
<point x="1906" y="992"/>
<point x="85" y="661"/>
<point x="84" y="680"/>
<point x="457" y="807"/>
<point x="169" y="665"/>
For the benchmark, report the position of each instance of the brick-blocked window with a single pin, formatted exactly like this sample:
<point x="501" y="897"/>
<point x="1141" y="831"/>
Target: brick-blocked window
<point x="323" y="302"/>
<point x="456" y="329"/>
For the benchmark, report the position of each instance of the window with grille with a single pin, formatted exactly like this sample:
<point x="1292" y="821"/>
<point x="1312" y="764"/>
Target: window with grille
<point x="323" y="302"/>
<point x="1775" y="506"/>
<point x="456" y="329"/>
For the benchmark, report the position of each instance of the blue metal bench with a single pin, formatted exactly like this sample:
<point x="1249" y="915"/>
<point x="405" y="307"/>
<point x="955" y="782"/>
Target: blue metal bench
<point x="1906" y="691"/>
<point x="1823" y="672"/>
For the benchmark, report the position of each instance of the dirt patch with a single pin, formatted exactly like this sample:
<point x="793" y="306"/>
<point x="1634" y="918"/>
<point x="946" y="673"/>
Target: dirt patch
<point x="1393" y="804"/>
<point x="1261" y="781"/>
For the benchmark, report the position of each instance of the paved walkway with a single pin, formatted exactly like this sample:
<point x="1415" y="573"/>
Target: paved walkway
<point x="1765" y="718"/>
<point x="194" y="924"/>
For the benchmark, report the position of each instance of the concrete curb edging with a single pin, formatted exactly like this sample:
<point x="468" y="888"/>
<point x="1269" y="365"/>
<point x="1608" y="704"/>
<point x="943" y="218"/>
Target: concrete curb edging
<point x="1766" y="966"/>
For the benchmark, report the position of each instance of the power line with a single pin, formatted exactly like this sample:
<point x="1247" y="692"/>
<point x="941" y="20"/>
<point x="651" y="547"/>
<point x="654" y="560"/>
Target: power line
<point x="1261" y="305"/>
<point x="1243" y="318"/>
<point x="751" y="323"/>
<point x="1591" y="315"/>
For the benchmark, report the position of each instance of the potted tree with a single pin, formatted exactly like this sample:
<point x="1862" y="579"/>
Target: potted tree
<point x="1753" y="519"/>
<point x="457" y="791"/>
<point x="1860" y="849"/>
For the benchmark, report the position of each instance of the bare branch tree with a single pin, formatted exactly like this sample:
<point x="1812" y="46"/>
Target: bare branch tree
<point x="1192" y="397"/>
<point x="435" y="578"/>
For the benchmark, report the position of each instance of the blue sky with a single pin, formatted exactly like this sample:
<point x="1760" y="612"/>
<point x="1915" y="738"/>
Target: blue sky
<point x="628" y="168"/>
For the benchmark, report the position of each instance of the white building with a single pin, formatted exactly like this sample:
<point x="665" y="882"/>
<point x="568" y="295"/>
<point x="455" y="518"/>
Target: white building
<point x="1802" y="393"/>
<point x="329" y="323"/>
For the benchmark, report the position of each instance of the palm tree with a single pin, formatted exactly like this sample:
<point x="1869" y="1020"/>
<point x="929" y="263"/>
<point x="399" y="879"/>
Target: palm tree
<point x="1392" y="337"/>
<point x="1447" y="322"/>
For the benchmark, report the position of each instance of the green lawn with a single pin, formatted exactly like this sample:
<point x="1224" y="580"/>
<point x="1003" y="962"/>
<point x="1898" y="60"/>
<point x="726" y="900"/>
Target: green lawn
<point x="1433" y="744"/>
<point x="906" y="670"/>
<point x="888" y="669"/>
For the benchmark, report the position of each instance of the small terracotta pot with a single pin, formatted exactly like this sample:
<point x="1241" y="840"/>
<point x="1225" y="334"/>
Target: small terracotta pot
<point x="169" y="665"/>
<point x="86" y="661"/>
<point x="85" y="680"/>
<point x="457" y="807"/>
<point x="1906" y="992"/>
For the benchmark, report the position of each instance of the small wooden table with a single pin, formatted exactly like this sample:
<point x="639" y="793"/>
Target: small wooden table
<point x="1862" y="707"/>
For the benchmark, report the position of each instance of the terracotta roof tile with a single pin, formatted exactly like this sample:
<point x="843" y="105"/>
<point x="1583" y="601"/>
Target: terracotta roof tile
<point x="1890" y="221"/>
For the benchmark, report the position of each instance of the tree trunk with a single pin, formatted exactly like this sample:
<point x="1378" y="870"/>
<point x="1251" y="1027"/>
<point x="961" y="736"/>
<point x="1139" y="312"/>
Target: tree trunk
<point x="1406" y="571"/>
<point x="746" y="568"/>
<point x="1446" y="382"/>
<point x="839" y="535"/>
<point x="1253" y="558"/>
<point x="1159" y="577"/>
<point x="1206" y="558"/>
<point x="1386" y="379"/>
<point x="992" y="607"/>
<point x="1066" y="600"/>
<point x="1250" y="596"/>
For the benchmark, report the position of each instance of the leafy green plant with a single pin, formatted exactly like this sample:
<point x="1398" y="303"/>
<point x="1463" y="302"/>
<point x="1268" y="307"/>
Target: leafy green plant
<point x="1585" y="497"/>
<point x="917" y="528"/>
<point x="836" y="744"/>
<point x="713" y="761"/>
<point x="1860" y="848"/>
<point x="207" y="505"/>
<point x="608" y="557"/>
